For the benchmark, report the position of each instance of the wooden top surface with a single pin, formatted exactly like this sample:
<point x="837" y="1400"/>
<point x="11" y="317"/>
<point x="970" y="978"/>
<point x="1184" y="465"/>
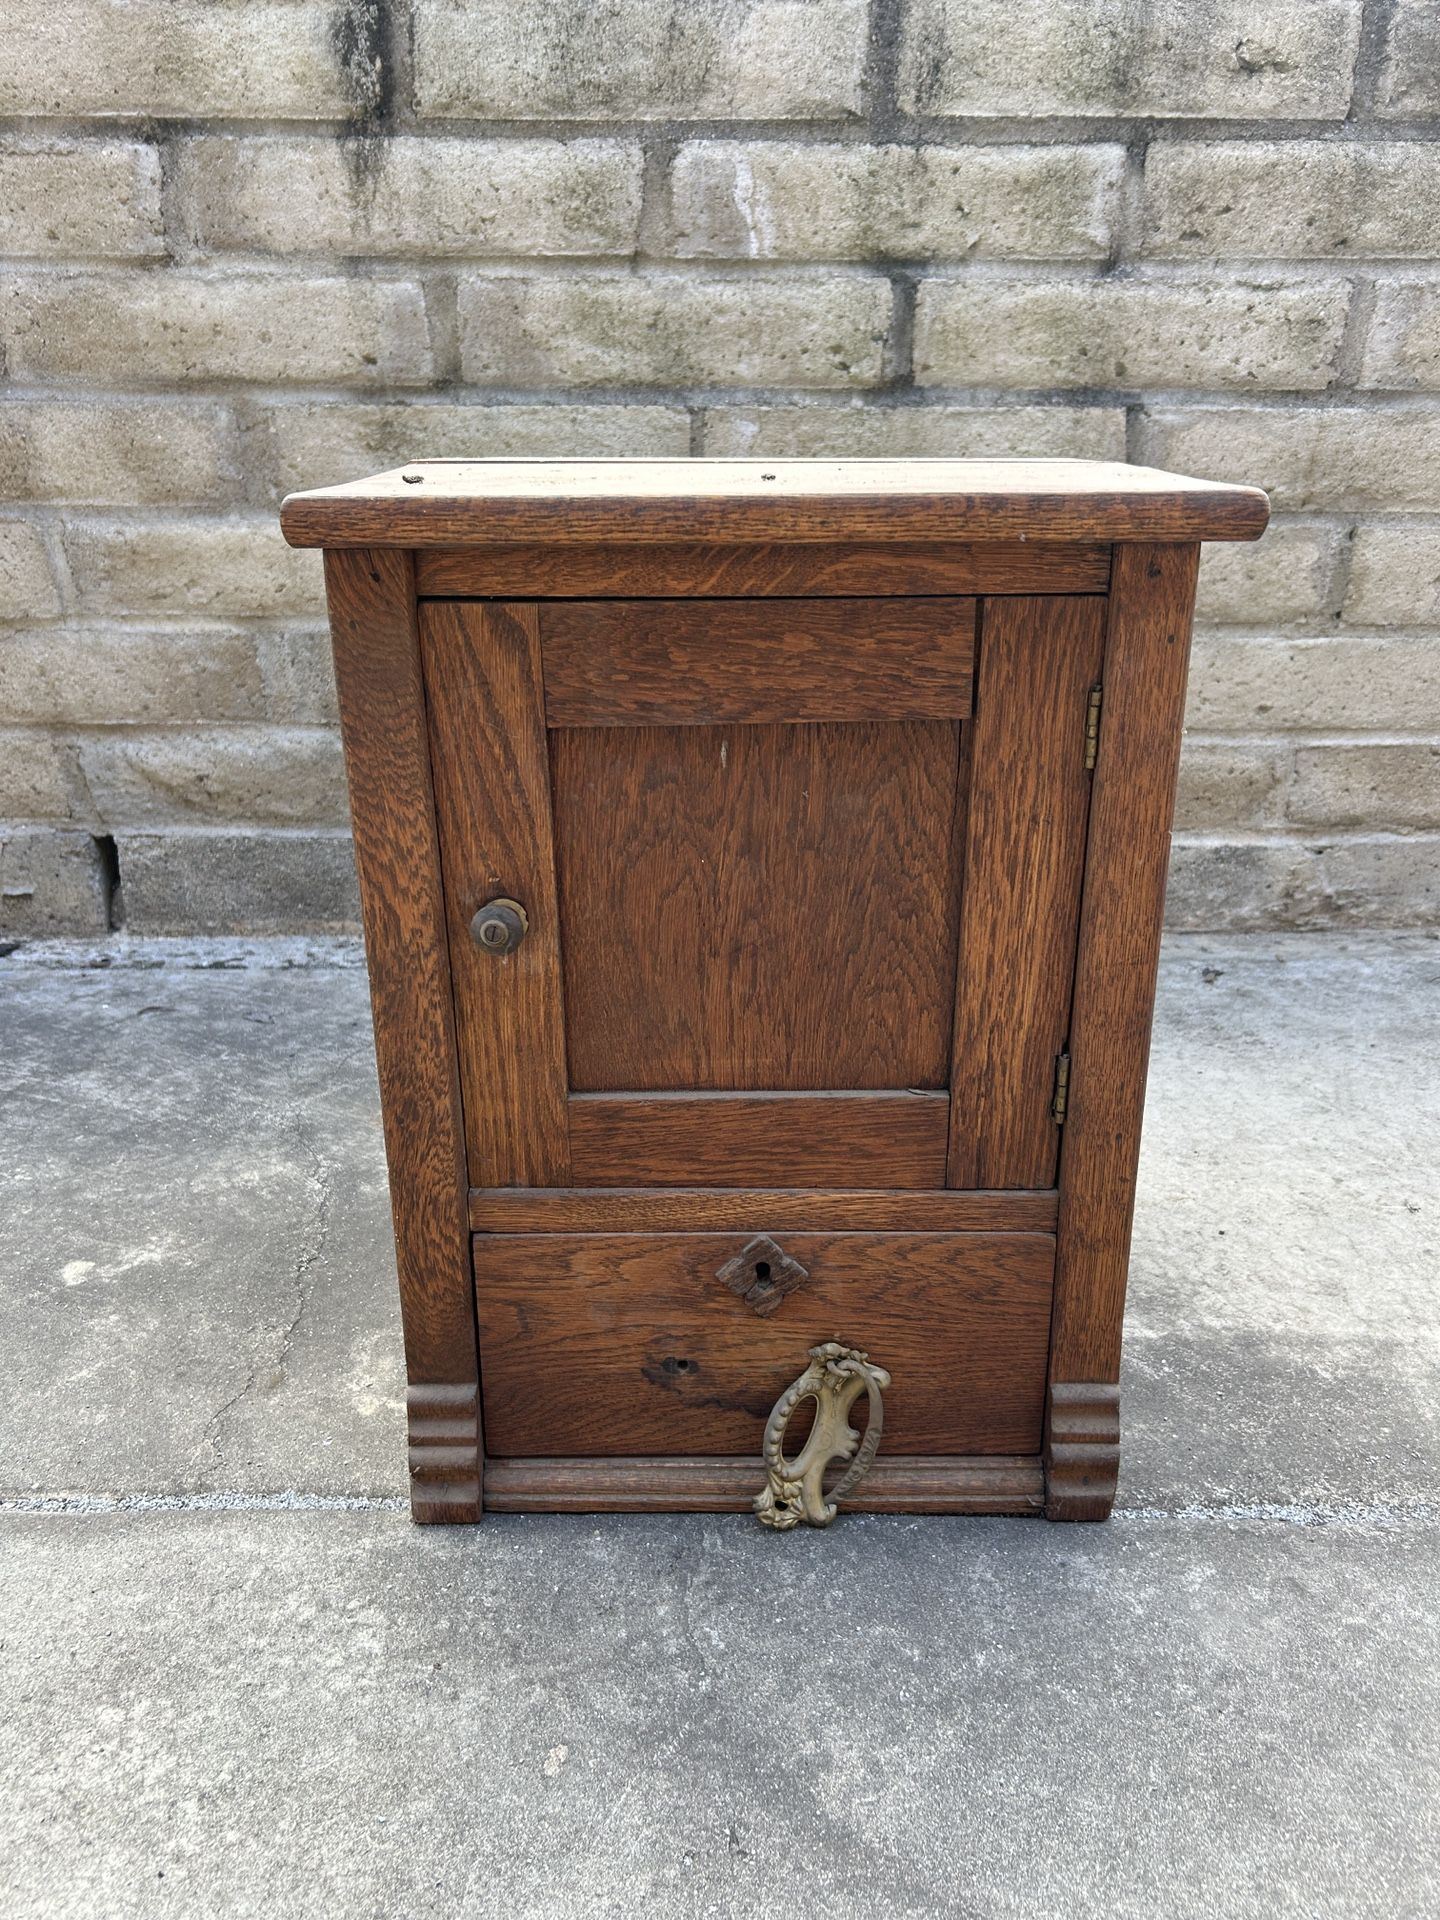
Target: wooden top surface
<point x="457" y="503"/>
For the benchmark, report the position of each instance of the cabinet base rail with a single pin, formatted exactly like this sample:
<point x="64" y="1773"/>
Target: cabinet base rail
<point x="975" y="1483"/>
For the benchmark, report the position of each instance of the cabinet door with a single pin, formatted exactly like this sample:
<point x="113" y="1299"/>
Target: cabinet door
<point x="801" y="878"/>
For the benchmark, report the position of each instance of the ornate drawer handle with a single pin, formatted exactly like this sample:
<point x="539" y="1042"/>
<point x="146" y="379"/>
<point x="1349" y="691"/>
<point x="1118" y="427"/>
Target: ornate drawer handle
<point x="794" y="1490"/>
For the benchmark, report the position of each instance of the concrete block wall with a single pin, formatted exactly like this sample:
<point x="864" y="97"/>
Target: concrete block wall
<point x="250" y="245"/>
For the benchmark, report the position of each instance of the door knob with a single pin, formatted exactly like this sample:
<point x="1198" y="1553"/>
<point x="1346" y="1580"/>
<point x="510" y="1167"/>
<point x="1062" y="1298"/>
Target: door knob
<point x="499" y="926"/>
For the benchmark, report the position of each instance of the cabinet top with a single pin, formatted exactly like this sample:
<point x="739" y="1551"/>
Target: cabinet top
<point x="459" y="503"/>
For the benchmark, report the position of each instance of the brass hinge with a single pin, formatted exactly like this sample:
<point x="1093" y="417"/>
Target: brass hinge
<point x="1062" y="1089"/>
<point x="1092" y="727"/>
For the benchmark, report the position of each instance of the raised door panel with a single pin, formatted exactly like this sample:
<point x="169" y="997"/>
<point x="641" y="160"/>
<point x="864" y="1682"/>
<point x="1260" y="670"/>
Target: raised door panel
<point x="757" y="907"/>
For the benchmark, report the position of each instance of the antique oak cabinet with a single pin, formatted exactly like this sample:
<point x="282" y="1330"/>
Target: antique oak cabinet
<point x="761" y="866"/>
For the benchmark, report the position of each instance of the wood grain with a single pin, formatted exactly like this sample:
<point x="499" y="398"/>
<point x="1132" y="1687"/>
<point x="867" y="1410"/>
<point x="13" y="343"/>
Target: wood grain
<point x="382" y="719"/>
<point x="455" y="503"/>
<point x="758" y="1140"/>
<point x="1025" y="848"/>
<point x="636" y="663"/>
<point x="627" y="1343"/>
<point x="896" y="1483"/>
<point x="482" y="672"/>
<point x="757" y="907"/>
<point x="1146" y="656"/>
<point x="755" y="1210"/>
<point x="577" y="570"/>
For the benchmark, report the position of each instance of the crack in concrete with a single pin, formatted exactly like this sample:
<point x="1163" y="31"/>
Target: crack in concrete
<point x="315" y="1235"/>
<point x="211" y="1436"/>
<point x="322" y="1184"/>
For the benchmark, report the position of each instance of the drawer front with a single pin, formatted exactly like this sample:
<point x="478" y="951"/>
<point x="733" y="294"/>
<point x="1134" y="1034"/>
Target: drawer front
<point x="613" y="1344"/>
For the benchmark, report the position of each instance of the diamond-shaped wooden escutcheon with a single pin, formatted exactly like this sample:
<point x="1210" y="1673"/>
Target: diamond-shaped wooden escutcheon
<point x="762" y="1273"/>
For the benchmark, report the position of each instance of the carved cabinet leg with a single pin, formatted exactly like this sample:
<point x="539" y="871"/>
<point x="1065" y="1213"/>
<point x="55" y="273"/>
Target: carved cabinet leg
<point x="444" y="1425"/>
<point x="1082" y="1450"/>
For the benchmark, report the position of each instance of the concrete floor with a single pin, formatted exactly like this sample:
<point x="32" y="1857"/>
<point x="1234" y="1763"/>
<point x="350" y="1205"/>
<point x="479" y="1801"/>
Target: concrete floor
<point x="234" y="1680"/>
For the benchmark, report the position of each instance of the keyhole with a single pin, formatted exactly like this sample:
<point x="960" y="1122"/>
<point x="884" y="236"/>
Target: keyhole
<point x="672" y="1365"/>
<point x="762" y="1270"/>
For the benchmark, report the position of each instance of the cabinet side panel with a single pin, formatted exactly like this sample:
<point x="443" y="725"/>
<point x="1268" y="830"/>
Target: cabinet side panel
<point x="492" y="789"/>
<point x="1146" y="661"/>
<point x="382" y="716"/>
<point x="1025" y="848"/>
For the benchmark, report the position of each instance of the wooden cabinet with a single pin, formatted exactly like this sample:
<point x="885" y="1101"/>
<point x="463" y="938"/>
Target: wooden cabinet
<point x="762" y="871"/>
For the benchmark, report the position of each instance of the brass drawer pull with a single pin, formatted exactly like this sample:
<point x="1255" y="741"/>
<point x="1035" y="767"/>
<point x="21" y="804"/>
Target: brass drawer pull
<point x="794" y="1490"/>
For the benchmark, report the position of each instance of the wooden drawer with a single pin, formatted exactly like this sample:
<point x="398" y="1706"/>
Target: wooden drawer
<point x="614" y="1344"/>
